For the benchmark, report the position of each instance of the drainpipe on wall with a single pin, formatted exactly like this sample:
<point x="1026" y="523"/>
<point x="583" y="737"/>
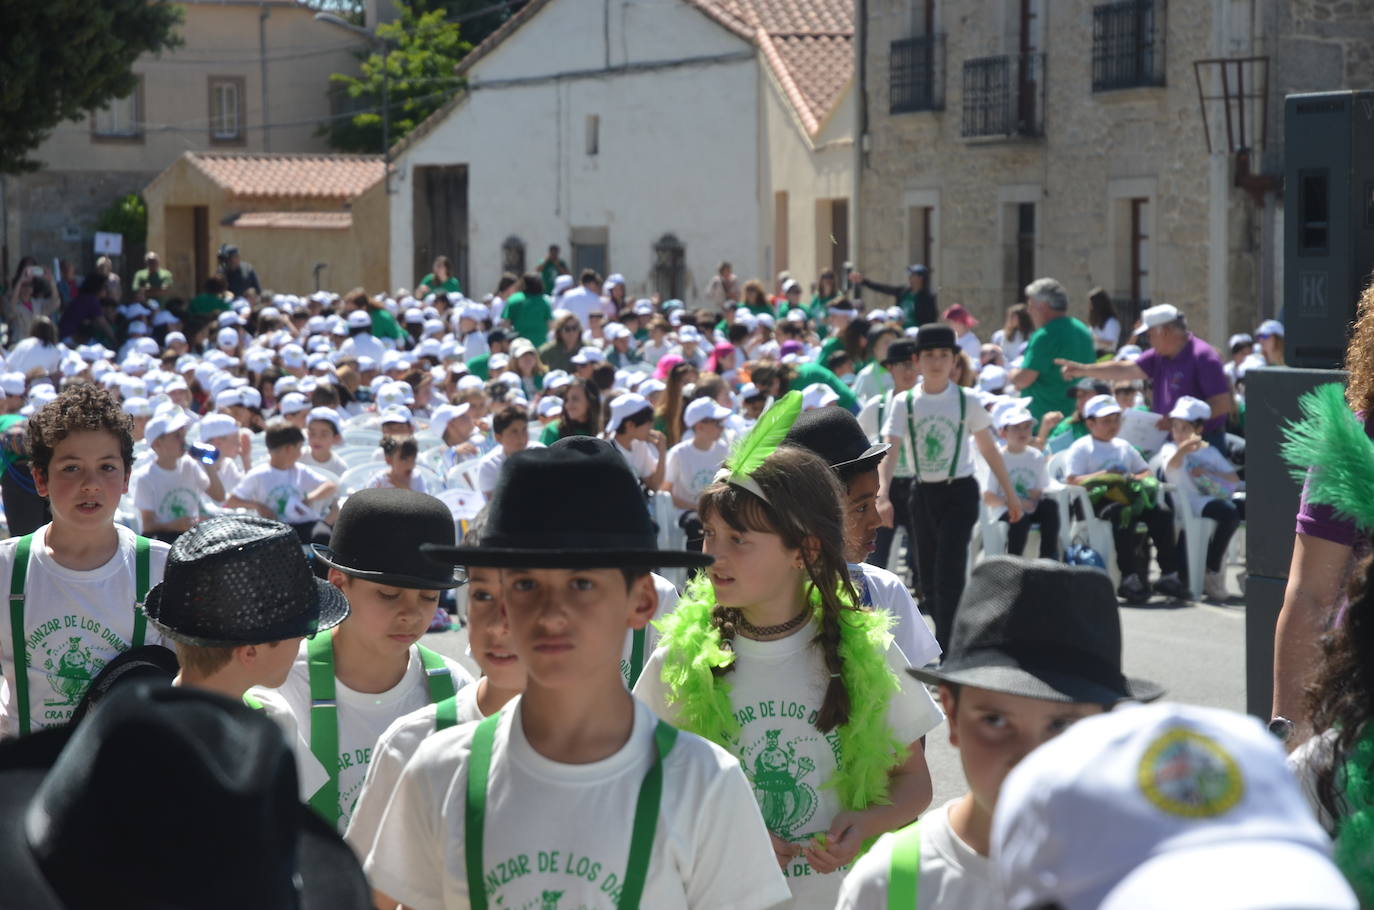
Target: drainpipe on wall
<point x="4" y="227"/>
<point x="263" y="13"/>
<point x="860" y="134"/>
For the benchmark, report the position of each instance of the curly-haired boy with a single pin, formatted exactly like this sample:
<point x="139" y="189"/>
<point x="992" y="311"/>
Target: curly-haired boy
<point x="77" y="583"/>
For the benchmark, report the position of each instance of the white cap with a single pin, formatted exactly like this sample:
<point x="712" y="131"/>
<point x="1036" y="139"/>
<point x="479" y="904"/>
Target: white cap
<point x="562" y="283"/>
<point x="293" y="355"/>
<point x="765" y="319"/>
<point x="588" y="355"/>
<point x="1269" y="327"/>
<point x="644" y="307"/>
<point x="1238" y="339"/>
<point x="358" y="319"/>
<point x="285" y="384"/>
<point x="1251" y="362"/>
<point x="556" y="379"/>
<point x="790" y="285"/>
<point x="227" y="338"/>
<point x="213" y="426"/>
<point x="293" y="403"/>
<point x="1191" y="409"/>
<point x="229" y="398"/>
<point x="328" y="415"/>
<point x="992" y="378"/>
<point x="13" y="383"/>
<point x="650" y="386"/>
<point x="1129" y="353"/>
<point x="796" y="315"/>
<point x="469" y="382"/>
<point x="414" y="316"/>
<point x="704" y="409"/>
<point x="615" y="331"/>
<point x="1013" y="415"/>
<point x="165" y="422"/>
<point x="252" y="398"/>
<point x="137" y="407"/>
<point x="818" y="395"/>
<point x="749" y="390"/>
<point x="445" y="413"/>
<point x="688" y="333"/>
<point x="613" y="280"/>
<point x="497" y="363"/>
<point x="1162" y="805"/>
<point x="138" y="327"/>
<point x="1101" y="406"/>
<point x="626" y="406"/>
<point x="549" y="406"/>
<point x="229" y="318"/>
<point x="1155" y="316"/>
<point x="398" y="414"/>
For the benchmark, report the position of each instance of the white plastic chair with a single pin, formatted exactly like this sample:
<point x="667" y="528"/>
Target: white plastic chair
<point x="464" y="474"/>
<point x="670" y="535"/>
<point x="1096" y="531"/>
<point x="1197" y="530"/>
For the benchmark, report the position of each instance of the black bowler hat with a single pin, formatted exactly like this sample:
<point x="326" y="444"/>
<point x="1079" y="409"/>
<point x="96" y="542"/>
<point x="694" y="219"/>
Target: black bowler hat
<point x="1041" y="629"/>
<point x="899" y="352"/>
<point x="176" y="798"/>
<point x="240" y="580"/>
<point x="936" y="335"/>
<point x="575" y="504"/>
<point x="379" y="535"/>
<point x="835" y="435"/>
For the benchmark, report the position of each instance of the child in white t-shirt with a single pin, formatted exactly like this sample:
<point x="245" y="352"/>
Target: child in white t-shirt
<point x="400" y="453"/>
<point x="323" y="431"/>
<point x="371" y="669"/>
<point x="284" y="490"/>
<point x="511" y="429"/>
<point x="1101" y="458"/>
<point x="631" y="430"/>
<point x="1205" y="480"/>
<point x="1000" y="704"/>
<point x="1029" y="473"/>
<point x="694" y="462"/>
<point x="167" y="490"/>
<point x="224" y="434"/>
<point x="770" y="655"/>
<point x="82" y="580"/>
<point x="575" y="794"/>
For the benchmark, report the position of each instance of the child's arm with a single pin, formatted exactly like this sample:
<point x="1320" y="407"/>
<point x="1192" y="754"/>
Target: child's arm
<point x="151" y="525"/>
<point x="992" y="500"/>
<point x="910" y="792"/>
<point x="1192" y="444"/>
<point x="238" y="502"/>
<point x="1051" y="420"/>
<point x="993" y="456"/>
<point x="215" y="489"/>
<point x="322" y="492"/>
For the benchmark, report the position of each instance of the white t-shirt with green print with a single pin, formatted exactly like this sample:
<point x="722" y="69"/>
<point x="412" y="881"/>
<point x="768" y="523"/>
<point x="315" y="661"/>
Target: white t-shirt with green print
<point x="936" y="429"/>
<point x="1027" y="469"/>
<point x="170" y="494"/>
<point x="278" y="488"/>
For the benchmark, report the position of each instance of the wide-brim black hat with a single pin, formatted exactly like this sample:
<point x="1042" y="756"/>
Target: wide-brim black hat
<point x="835" y="435"/>
<point x="166" y="797"/>
<point x="934" y="336"/>
<point x="239" y="580"/>
<point x="1041" y="629"/>
<point x="573" y="505"/>
<point x="381" y="533"/>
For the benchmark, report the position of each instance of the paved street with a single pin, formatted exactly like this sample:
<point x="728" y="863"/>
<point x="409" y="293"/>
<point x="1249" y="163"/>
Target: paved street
<point x="1197" y="652"/>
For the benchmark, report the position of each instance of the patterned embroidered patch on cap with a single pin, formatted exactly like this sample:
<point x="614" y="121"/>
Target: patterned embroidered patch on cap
<point x="1187" y="774"/>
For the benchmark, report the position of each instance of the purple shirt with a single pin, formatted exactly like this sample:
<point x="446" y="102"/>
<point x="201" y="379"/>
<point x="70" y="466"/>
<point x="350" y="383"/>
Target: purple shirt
<point x="1320" y="521"/>
<point x="1195" y="370"/>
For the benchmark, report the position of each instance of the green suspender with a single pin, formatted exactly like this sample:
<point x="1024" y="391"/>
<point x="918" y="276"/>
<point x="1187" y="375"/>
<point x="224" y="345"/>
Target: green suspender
<point x="641" y="835"/>
<point x="637" y="655"/>
<point x="904" y="873"/>
<point x="958" y="435"/>
<point x="324" y="713"/>
<point x="19" y="576"/>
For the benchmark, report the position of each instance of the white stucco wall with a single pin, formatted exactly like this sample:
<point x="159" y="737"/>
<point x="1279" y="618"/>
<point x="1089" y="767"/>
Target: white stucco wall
<point x="678" y="150"/>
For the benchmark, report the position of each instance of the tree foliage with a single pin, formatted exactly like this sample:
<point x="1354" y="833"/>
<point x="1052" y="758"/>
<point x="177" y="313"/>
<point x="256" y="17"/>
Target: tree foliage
<point x="61" y="59"/>
<point x="424" y="48"/>
<point x="127" y="215"/>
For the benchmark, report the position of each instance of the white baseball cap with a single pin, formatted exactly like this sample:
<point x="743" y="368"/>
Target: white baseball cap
<point x="229" y="398"/>
<point x="213" y="426"/>
<point x="445" y="413"/>
<point x="549" y="406"/>
<point x="615" y="331"/>
<point x="13" y="383"/>
<point x="562" y="283"/>
<point x="328" y="415"/>
<point x="137" y="407"/>
<point x="1238" y="339"/>
<point x="1101" y="406"/>
<point x="358" y="319"/>
<point x="398" y="414"/>
<point x="818" y="395"/>
<point x="1269" y="327"/>
<point x="1156" y="316"/>
<point x="470" y="382"/>
<point x="227" y="338"/>
<point x="164" y="422"/>
<point x="1129" y="353"/>
<point x="293" y="403"/>
<point x="650" y="386"/>
<point x="1162" y="805"/>
<point x="626" y="406"/>
<point x="1191" y="409"/>
<point x="688" y="333"/>
<point x="556" y="379"/>
<point x="588" y="355"/>
<point x="252" y="398"/>
<point x="992" y="378"/>
<point x="704" y="409"/>
<point x="1011" y="416"/>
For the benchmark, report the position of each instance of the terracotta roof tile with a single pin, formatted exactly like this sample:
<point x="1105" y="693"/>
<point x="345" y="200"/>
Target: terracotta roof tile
<point x="252" y="175"/>
<point x="308" y="220"/>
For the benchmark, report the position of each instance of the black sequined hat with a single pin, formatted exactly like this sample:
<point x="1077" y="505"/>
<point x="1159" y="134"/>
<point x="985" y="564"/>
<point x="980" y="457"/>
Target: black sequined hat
<point x="241" y="580"/>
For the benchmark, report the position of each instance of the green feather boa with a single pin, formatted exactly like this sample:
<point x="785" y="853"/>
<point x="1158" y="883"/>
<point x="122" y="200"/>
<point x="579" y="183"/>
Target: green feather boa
<point x="1330" y="452"/>
<point x="1355" y="831"/>
<point x="868" y="750"/>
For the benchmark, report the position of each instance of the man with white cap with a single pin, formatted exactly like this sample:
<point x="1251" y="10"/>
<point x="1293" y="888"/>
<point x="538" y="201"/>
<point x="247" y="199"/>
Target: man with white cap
<point x="631" y="431"/>
<point x="1178" y="363"/>
<point x="1162" y="806"/>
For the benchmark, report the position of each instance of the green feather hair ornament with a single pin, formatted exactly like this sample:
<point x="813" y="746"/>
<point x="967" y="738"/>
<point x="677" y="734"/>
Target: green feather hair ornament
<point x="761" y="442"/>
<point x="1329" y="451"/>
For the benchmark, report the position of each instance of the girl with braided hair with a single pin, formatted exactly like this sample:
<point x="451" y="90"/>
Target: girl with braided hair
<point x="770" y="656"/>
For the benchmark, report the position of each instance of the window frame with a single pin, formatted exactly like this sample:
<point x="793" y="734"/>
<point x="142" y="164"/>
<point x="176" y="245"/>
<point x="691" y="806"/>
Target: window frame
<point x="135" y="137"/>
<point x="240" y="85"/>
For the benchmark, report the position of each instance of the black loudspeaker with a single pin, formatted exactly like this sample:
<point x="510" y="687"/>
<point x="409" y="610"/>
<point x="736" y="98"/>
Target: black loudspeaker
<point x="1328" y="231"/>
<point x="1271" y="509"/>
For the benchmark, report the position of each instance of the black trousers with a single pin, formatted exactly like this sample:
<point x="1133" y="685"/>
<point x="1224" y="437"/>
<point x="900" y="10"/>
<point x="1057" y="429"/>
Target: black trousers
<point x="1159" y="524"/>
<point x="1046" y="515"/>
<point x="944" y="515"/>
<point x="901" y="518"/>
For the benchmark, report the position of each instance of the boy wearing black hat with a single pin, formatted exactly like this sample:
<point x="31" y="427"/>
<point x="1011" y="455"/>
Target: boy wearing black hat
<point x="1036" y="646"/>
<point x="348" y="684"/>
<point x="499" y="813"/>
<point x="237" y="599"/>
<point x="934" y="422"/>
<point x="900" y="365"/>
<point x="835" y="435"/>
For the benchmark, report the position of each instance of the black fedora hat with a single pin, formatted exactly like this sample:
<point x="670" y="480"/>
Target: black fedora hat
<point x="171" y="798"/>
<point x="835" y="435"/>
<point x="1041" y="629"/>
<point x="572" y="505"/>
<point x="935" y="335"/>
<point x="899" y="352"/>
<point x="379" y="536"/>
<point x="240" y="580"/>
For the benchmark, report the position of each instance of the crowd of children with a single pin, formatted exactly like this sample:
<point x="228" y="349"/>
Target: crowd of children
<point x="753" y="736"/>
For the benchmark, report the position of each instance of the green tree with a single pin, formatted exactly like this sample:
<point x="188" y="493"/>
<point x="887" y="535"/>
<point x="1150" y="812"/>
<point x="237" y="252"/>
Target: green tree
<point x="127" y="215"/>
<point x="424" y="49"/>
<point x="61" y="59"/>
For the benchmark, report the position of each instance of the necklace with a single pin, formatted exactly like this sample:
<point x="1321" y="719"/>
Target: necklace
<point x="754" y="631"/>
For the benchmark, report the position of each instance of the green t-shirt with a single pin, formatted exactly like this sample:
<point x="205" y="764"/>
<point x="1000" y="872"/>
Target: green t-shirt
<point x="144" y="278"/>
<point x="208" y="303"/>
<point x="529" y="316"/>
<point x="1069" y="426"/>
<point x="760" y="309"/>
<point x="811" y="373"/>
<point x="384" y="325"/>
<point x="829" y="348"/>
<point x="549" y="435"/>
<point x="450" y="286"/>
<point x="1065" y="338"/>
<point x="7" y="457"/>
<point x="477" y="366"/>
<point x="549" y="270"/>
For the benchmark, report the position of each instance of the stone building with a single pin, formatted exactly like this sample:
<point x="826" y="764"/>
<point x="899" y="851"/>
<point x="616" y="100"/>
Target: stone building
<point x="1132" y="145"/>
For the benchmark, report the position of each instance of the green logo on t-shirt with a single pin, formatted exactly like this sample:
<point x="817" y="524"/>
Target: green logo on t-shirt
<point x="787" y="802"/>
<point x="935" y="443"/>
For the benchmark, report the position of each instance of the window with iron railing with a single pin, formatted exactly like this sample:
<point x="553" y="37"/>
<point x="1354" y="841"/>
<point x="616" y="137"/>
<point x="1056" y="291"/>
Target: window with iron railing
<point x="1128" y="44"/>
<point x="916" y="74"/>
<point x="1004" y="96"/>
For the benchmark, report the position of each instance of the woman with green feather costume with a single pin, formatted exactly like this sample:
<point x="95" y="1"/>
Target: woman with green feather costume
<point x="769" y="656"/>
